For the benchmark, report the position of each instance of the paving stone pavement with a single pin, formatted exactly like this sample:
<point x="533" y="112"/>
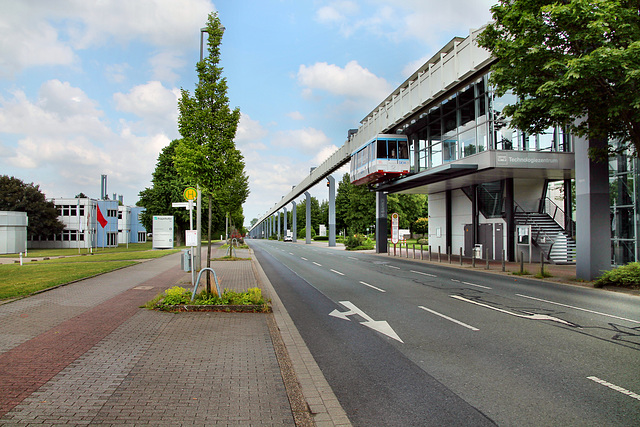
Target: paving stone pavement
<point x="86" y="354"/>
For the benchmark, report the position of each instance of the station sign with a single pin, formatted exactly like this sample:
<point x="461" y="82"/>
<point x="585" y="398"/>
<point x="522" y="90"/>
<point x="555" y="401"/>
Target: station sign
<point x="190" y="193"/>
<point x="395" y="228"/>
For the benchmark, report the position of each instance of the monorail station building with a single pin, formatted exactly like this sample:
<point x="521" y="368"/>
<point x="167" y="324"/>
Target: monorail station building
<point x="490" y="185"/>
<point x="493" y="191"/>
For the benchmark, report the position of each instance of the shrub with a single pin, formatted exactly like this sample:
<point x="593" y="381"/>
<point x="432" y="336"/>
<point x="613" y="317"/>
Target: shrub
<point x="423" y="242"/>
<point x="176" y="295"/>
<point x="627" y="276"/>
<point x="358" y="242"/>
<point x="303" y="233"/>
<point x="321" y="238"/>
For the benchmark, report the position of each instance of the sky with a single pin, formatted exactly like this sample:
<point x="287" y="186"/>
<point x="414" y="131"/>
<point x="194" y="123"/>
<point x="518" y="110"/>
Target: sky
<point x="90" y="88"/>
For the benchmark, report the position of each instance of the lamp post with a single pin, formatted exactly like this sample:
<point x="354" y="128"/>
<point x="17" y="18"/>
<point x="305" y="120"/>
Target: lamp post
<point x="198" y="265"/>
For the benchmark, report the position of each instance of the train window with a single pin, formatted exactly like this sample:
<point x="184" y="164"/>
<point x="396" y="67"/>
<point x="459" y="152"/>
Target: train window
<point x="382" y="149"/>
<point x="403" y="148"/>
<point x="392" y="149"/>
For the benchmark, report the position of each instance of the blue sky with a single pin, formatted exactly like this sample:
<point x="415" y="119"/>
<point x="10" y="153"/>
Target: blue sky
<point x="90" y="88"/>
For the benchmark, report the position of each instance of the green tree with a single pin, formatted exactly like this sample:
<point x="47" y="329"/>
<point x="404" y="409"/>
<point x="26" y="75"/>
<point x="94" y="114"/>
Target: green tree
<point x="17" y="196"/>
<point x="167" y="187"/>
<point x="409" y="207"/>
<point x="567" y="60"/>
<point x="207" y="155"/>
<point x="421" y="226"/>
<point x="355" y="206"/>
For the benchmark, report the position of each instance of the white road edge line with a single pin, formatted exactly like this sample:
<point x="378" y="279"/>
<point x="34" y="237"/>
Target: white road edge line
<point x="336" y="271"/>
<point x="615" y="387"/>
<point x="424" y="274"/>
<point x="373" y="287"/>
<point x="319" y="265"/>
<point x="449" y="318"/>
<point x="578" y="308"/>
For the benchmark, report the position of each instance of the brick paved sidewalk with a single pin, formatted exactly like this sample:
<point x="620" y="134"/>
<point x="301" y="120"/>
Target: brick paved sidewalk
<point x="86" y="353"/>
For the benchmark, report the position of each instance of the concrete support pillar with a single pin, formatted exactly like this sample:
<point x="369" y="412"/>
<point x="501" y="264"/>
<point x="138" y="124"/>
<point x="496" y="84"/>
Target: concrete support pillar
<point x="284" y="229"/>
<point x="308" y="217"/>
<point x="278" y="226"/>
<point x="448" y="229"/>
<point x="568" y="207"/>
<point x="381" y="222"/>
<point x="294" y="225"/>
<point x="593" y="231"/>
<point x="510" y="219"/>
<point x="332" y="210"/>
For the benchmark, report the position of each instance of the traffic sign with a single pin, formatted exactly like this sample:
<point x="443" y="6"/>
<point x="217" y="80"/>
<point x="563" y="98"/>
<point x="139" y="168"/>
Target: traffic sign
<point x="190" y="193"/>
<point x="395" y="229"/>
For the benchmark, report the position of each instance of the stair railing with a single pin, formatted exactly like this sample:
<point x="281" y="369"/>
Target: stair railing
<point x="535" y="227"/>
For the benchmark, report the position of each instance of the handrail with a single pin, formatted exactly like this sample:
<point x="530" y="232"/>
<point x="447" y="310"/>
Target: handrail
<point x="538" y="229"/>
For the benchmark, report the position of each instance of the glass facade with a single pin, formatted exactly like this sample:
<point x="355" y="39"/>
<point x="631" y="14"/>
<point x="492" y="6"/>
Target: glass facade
<point x="625" y="213"/>
<point x="471" y="121"/>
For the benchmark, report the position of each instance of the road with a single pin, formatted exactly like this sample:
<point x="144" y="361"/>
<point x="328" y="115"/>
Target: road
<point x="409" y="343"/>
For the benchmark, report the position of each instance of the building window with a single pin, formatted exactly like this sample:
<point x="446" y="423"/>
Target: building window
<point x="142" y="237"/>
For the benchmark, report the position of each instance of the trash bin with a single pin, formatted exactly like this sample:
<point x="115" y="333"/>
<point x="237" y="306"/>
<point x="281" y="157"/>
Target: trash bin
<point x="185" y="260"/>
<point x="477" y="251"/>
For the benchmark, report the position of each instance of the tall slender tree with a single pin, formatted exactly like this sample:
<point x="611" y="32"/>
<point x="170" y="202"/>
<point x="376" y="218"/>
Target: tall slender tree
<point x="207" y="156"/>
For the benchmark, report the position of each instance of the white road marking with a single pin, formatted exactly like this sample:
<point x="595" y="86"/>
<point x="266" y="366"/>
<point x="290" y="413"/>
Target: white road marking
<point x="449" y="318"/>
<point x="578" y="308"/>
<point x="531" y="316"/>
<point x="615" y="387"/>
<point x="350" y="257"/>
<point x="304" y="258"/>
<point x="319" y="265"/>
<point x="373" y="287"/>
<point x="424" y="274"/>
<point x="336" y="271"/>
<point x="393" y="266"/>
<point x="470" y="284"/>
<point x="290" y="253"/>
<point x="377" y="325"/>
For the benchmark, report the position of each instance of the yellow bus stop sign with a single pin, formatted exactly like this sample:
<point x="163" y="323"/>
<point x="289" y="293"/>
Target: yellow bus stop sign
<point x="190" y="193"/>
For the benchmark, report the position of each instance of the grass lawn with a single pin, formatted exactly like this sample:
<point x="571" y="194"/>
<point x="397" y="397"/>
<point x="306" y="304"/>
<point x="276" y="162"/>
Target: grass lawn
<point x="17" y="280"/>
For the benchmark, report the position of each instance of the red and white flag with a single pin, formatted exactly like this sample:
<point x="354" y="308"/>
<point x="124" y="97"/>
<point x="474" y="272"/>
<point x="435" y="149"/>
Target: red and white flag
<point x="103" y="222"/>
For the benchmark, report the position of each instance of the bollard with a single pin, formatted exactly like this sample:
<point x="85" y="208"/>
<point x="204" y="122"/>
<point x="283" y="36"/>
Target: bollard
<point x="461" y="255"/>
<point x="414" y="251"/>
<point x="449" y="253"/>
<point x="473" y="260"/>
<point x="541" y="263"/>
<point x="439" y="257"/>
<point x="429" y="252"/>
<point x="421" y="253"/>
<point x="407" y="252"/>
<point x="486" y="255"/>
<point x="521" y="262"/>
<point x="503" y="261"/>
<point x="394" y="249"/>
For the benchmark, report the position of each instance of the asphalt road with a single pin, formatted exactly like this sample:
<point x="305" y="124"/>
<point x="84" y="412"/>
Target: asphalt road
<point x="406" y="343"/>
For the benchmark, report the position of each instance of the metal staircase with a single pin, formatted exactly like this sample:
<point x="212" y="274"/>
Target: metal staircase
<point x="549" y="237"/>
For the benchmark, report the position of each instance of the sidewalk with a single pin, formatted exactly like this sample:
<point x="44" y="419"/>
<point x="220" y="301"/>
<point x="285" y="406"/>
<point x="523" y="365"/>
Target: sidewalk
<point x="87" y="354"/>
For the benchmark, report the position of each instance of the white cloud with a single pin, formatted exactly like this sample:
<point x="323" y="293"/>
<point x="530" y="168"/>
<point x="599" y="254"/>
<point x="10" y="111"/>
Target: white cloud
<point x="116" y="72"/>
<point x="29" y="35"/>
<point x="153" y="103"/>
<point x="165" y="64"/>
<point x="249" y="134"/>
<point x="324" y="154"/>
<point x="65" y="142"/>
<point x="352" y="81"/>
<point x="295" y="115"/>
<point x="307" y="140"/>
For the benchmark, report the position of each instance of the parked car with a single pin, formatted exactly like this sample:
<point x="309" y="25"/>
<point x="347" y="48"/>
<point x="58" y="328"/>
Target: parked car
<point x="288" y="238"/>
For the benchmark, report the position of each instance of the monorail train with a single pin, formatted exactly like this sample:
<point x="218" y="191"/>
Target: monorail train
<point x="383" y="157"/>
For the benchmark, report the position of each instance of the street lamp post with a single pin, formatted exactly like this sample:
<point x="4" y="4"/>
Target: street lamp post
<point x="198" y="265"/>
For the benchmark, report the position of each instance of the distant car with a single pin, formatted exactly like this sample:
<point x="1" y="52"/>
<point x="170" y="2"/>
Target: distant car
<point x="288" y="238"/>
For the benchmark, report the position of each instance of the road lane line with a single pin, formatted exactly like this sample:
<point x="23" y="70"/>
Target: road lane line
<point x="336" y="271"/>
<point x="578" y="308"/>
<point x="350" y="257"/>
<point x="424" y="274"/>
<point x="449" y="318"/>
<point x="476" y="285"/>
<point x="304" y="258"/>
<point x="615" y="387"/>
<point x="290" y="253"/>
<point x="319" y="265"/>
<point x="373" y="287"/>
<point x="393" y="266"/>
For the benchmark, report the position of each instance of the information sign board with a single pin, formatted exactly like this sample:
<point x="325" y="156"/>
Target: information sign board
<point x="163" y="232"/>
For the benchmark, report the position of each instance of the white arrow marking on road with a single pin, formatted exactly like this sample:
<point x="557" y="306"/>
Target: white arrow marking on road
<point x="377" y="325"/>
<point x="530" y="316"/>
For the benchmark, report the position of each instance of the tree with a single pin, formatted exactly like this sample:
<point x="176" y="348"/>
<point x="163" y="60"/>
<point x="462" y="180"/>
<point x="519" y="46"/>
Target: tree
<point x="567" y="61"/>
<point x="17" y="196"/>
<point x="207" y="155"/>
<point x="409" y="207"/>
<point x="355" y="206"/>
<point x="167" y="187"/>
